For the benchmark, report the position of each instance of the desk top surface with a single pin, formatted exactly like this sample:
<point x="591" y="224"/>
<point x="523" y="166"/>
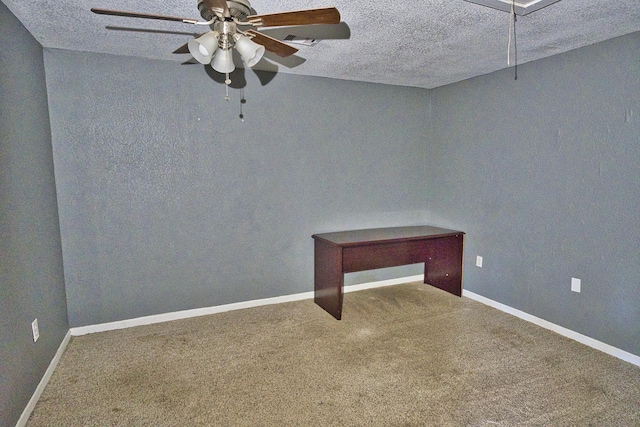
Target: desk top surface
<point x="371" y="235"/>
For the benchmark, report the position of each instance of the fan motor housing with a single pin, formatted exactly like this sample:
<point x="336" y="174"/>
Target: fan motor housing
<point x="239" y="9"/>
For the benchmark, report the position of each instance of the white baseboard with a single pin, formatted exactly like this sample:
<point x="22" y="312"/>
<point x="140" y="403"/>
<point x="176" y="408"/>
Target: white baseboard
<point x="185" y="314"/>
<point x="22" y="421"/>
<point x="381" y="283"/>
<point x="598" y="345"/>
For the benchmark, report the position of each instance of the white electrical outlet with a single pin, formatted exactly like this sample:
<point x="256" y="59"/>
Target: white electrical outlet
<point x="479" y="261"/>
<point x="35" y="330"/>
<point x="575" y="284"/>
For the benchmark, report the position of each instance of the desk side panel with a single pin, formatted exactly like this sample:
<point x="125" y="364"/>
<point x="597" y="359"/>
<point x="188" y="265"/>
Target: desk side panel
<point x="328" y="277"/>
<point x="444" y="266"/>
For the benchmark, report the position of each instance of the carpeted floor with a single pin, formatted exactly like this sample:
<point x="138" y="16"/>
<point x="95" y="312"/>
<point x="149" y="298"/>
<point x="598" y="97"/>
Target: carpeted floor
<point x="402" y="355"/>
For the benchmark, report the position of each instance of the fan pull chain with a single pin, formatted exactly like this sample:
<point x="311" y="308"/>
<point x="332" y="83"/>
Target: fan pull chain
<point x="242" y="101"/>
<point x="511" y="13"/>
<point x="512" y="30"/>
<point x="227" y="82"/>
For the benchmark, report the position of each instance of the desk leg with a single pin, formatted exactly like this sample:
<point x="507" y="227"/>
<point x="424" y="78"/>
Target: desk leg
<point x="328" y="277"/>
<point x="444" y="266"/>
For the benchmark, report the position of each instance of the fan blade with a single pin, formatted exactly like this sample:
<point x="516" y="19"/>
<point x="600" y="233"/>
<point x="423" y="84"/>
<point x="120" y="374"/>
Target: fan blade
<point x="271" y="44"/>
<point x="339" y="31"/>
<point x="147" y="30"/>
<point x="141" y="15"/>
<point x="328" y="15"/>
<point x="217" y="4"/>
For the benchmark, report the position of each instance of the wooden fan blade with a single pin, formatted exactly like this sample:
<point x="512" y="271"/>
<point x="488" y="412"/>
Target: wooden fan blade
<point x="271" y="44"/>
<point x="217" y="4"/>
<point x="327" y="15"/>
<point x="141" y="15"/>
<point x="148" y="30"/>
<point x="339" y="31"/>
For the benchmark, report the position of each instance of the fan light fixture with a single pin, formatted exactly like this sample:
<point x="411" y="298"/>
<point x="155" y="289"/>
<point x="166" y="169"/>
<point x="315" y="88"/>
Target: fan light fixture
<point x="250" y="51"/>
<point x="215" y="47"/>
<point x="203" y="48"/>
<point x="223" y="61"/>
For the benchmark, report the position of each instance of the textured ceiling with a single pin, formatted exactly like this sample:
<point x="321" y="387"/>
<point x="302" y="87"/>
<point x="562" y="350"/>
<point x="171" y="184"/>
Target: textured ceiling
<point x="421" y="43"/>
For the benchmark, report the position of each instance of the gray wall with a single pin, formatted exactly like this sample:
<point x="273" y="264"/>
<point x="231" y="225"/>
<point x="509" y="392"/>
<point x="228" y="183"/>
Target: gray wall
<point x="543" y="173"/>
<point x="161" y="211"/>
<point x="31" y="274"/>
<point x="168" y="201"/>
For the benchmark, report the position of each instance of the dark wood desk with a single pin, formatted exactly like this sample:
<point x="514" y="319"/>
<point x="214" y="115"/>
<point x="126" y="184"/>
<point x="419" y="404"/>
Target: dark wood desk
<point x="349" y="251"/>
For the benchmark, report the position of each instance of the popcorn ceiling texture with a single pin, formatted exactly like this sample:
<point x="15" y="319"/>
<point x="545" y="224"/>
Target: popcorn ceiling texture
<point x="421" y="43"/>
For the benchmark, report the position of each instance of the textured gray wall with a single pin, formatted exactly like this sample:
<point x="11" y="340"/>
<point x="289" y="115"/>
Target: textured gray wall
<point x="168" y="201"/>
<point x="165" y="206"/>
<point x="543" y="173"/>
<point x="31" y="274"/>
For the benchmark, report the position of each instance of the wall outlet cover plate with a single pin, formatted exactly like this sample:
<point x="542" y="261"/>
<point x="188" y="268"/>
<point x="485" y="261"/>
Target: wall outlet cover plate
<point x="575" y="284"/>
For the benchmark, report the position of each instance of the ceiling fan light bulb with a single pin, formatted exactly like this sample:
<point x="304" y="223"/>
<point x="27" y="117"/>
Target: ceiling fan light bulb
<point x="250" y="51"/>
<point x="223" y="61"/>
<point x="203" y="48"/>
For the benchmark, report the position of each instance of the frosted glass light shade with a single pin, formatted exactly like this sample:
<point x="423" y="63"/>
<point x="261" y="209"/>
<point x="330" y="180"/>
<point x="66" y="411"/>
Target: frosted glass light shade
<point x="223" y="61"/>
<point x="203" y="48"/>
<point x="250" y="51"/>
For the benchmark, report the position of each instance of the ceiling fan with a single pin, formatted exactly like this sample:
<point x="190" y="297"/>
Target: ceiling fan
<point x="232" y="26"/>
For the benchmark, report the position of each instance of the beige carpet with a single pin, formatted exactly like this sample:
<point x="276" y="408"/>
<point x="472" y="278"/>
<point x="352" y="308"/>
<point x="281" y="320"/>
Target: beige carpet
<point x="402" y="355"/>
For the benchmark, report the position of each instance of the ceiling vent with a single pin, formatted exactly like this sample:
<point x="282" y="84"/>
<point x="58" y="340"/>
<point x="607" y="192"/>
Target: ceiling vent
<point x="520" y="7"/>
<point x="305" y="41"/>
